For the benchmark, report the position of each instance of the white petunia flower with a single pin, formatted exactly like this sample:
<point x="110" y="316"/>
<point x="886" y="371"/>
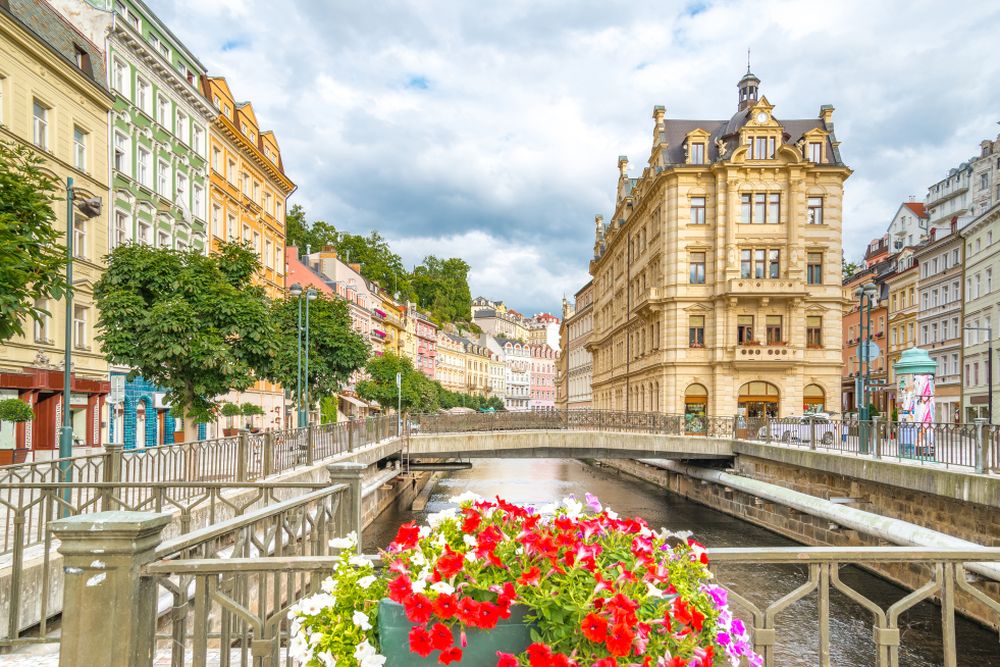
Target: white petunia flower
<point x="436" y="519"/>
<point x="465" y="497"/>
<point x="443" y="587"/>
<point x="470" y="541"/>
<point x="652" y="591"/>
<point x="613" y="515"/>
<point x="363" y="650"/>
<point x="418" y="558"/>
<point x="329" y="585"/>
<point x="373" y="661"/>
<point x="365" y="582"/>
<point x="470" y="556"/>
<point x="360" y="619"/>
<point x="327" y="659"/>
<point x="359" y="561"/>
<point x="424" y="531"/>
<point x="348" y="542"/>
<point x="573" y="507"/>
<point x="419" y="586"/>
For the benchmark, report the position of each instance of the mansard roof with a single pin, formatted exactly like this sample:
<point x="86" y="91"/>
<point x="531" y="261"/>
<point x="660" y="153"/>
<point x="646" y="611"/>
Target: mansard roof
<point x="676" y="131"/>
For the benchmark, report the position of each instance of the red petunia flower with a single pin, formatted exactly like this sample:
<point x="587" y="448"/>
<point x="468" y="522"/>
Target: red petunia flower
<point x="441" y="637"/>
<point x="406" y="537"/>
<point x="488" y="615"/>
<point x="420" y="642"/>
<point x="677" y="661"/>
<point x="595" y="628"/>
<point x="539" y="655"/>
<point x="445" y="606"/>
<point x="468" y="612"/>
<point x="506" y="660"/>
<point x="530" y="577"/>
<point x="472" y="520"/>
<point x="619" y="640"/>
<point x="453" y="654"/>
<point x="449" y="564"/>
<point x="400" y="589"/>
<point x="418" y="608"/>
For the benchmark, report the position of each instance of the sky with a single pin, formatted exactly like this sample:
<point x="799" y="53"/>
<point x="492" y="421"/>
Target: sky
<point x="491" y="130"/>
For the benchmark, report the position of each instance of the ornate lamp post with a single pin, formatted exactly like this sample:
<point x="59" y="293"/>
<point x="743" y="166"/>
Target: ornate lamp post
<point x="296" y="292"/>
<point x="304" y="418"/>
<point x="302" y="384"/>
<point x="867" y="296"/>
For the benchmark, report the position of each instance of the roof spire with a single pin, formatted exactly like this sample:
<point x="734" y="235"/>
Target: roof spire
<point x="748" y="60"/>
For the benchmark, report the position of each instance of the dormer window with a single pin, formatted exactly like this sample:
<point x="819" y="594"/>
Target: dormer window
<point x="697" y="153"/>
<point x="760" y="148"/>
<point x="815" y="152"/>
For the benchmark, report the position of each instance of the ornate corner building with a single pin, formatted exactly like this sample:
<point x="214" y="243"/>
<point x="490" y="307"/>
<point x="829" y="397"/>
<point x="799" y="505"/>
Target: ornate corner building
<point x="717" y="280"/>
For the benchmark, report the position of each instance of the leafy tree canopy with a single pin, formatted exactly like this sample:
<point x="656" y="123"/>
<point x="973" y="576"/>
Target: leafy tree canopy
<point x="419" y="394"/>
<point x="32" y="262"/>
<point x="15" y="410"/>
<point x="192" y="324"/>
<point x="335" y="350"/>
<point x="299" y="233"/>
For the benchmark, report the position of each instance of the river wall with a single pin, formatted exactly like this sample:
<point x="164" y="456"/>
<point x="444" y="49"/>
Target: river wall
<point x="973" y="522"/>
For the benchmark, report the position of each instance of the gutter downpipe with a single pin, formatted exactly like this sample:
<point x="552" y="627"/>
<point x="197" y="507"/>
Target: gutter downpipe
<point x="896" y="531"/>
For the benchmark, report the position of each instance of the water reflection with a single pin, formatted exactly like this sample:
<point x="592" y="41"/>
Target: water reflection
<point x="541" y="481"/>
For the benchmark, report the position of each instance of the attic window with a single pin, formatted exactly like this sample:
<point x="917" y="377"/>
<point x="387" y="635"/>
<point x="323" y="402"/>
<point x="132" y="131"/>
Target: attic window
<point x="815" y="152"/>
<point x="81" y="58"/>
<point x="760" y="148"/>
<point x="697" y="153"/>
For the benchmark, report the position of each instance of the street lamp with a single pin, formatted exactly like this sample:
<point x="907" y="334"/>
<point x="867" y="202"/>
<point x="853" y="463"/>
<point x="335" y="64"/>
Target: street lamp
<point x="304" y="419"/>
<point x="989" y="368"/>
<point x="867" y="296"/>
<point x="302" y="400"/>
<point x="88" y="208"/>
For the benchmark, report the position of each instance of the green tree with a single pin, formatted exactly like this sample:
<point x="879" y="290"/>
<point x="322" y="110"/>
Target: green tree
<point x="442" y="288"/>
<point x="15" y="410"/>
<point x="335" y="350"/>
<point x="849" y="268"/>
<point x="303" y="235"/>
<point x="378" y="261"/>
<point x="419" y="394"/>
<point x="192" y="324"/>
<point x="32" y="262"/>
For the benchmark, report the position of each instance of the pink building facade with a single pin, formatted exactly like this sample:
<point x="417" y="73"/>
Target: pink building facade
<point x="542" y="386"/>
<point x="425" y="333"/>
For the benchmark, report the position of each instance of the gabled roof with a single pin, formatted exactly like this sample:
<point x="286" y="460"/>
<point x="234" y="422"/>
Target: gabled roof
<point x="918" y="208"/>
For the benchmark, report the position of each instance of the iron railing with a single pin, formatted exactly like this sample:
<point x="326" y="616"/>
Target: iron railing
<point x="237" y="613"/>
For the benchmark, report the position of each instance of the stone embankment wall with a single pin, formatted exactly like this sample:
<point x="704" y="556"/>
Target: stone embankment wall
<point x="975" y="523"/>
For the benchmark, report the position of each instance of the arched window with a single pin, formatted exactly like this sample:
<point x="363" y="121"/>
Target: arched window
<point x="758" y="400"/>
<point x="695" y="409"/>
<point x="813" y="398"/>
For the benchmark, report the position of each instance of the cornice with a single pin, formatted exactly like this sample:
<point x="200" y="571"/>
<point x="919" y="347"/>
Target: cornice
<point x="229" y="130"/>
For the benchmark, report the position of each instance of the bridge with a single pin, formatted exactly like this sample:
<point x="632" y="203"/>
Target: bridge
<point x="193" y="528"/>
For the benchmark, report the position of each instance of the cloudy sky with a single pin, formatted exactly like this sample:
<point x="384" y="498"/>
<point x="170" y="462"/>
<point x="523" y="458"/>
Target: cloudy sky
<point x="490" y="130"/>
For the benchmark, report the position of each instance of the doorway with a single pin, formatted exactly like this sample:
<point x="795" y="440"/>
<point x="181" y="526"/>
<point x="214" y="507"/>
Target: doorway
<point x="758" y="400"/>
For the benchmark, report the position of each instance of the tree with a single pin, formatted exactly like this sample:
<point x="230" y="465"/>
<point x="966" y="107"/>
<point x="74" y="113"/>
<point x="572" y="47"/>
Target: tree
<point x="299" y="233"/>
<point x="32" y="262"/>
<point x="335" y="350"/>
<point x="15" y="410"/>
<point x="442" y="287"/>
<point x="193" y="324"/>
<point x="419" y="394"/>
<point x="849" y="268"/>
<point x="378" y="261"/>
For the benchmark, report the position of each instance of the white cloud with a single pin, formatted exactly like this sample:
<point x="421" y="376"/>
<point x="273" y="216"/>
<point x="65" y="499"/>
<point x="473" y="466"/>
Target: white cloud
<point x="449" y="125"/>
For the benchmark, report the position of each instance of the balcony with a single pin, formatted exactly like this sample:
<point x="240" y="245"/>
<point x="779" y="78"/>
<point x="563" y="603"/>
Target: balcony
<point x="767" y="287"/>
<point x="648" y="302"/>
<point x="770" y="356"/>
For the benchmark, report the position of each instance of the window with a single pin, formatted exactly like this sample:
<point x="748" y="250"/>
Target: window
<point x="814" y="270"/>
<point x="815" y="151"/>
<point x="814" y="214"/>
<point x="217" y="228"/>
<point x="122" y="227"/>
<point x="145" y="232"/>
<point x="79" y="149"/>
<point x="182" y="189"/>
<point x="774" y="329"/>
<point x="760" y="208"/>
<point x="80" y="326"/>
<point x="122" y="152"/>
<point x="233" y="229"/>
<point x="697" y="210"/>
<point x="744" y="329"/>
<point x="198" y="200"/>
<point x="246" y="233"/>
<point x="761" y="148"/>
<point x="698" y="153"/>
<point x="163" y="178"/>
<point x="43" y="321"/>
<point x="143" y="95"/>
<point x="79" y="237"/>
<point x="268" y="203"/>
<point x="984" y="181"/>
<point x="989" y="280"/>
<point x="256" y="192"/>
<point x="697" y="268"/>
<point x="163" y="111"/>
<point x="119" y="77"/>
<point x="231" y="172"/>
<point x="163" y="239"/>
<point x="268" y="254"/>
<point x="814" y="331"/>
<point x="182" y="129"/>
<point x="41" y="125"/>
<point x="144" y="169"/>
<point x="198" y="140"/>
<point x="773" y="263"/>
<point x="696" y="331"/>
<point x="3" y="82"/>
<point x="746" y="263"/>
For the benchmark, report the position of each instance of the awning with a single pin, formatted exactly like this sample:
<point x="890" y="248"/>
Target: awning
<point x="354" y="401"/>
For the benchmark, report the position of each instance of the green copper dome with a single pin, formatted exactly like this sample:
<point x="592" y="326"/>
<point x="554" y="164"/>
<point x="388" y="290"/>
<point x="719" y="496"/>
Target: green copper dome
<point x="915" y="360"/>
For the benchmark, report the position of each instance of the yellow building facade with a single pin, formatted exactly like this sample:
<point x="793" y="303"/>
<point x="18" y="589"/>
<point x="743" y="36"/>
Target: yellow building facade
<point x="450" y="370"/>
<point x="248" y="193"/>
<point x="903" y="310"/>
<point x="717" y="280"/>
<point x="54" y="100"/>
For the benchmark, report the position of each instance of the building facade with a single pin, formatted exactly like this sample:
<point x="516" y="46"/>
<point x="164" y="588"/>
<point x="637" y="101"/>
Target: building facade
<point x="981" y="314"/>
<point x="516" y="358"/>
<point x="450" y="368"/>
<point x="717" y="281"/>
<point x="54" y="100"/>
<point x="939" y="320"/>
<point x="424" y="338"/>
<point x="477" y="368"/>
<point x="543" y="329"/>
<point x="903" y="308"/>
<point x="542" y="386"/>
<point x="579" y="363"/>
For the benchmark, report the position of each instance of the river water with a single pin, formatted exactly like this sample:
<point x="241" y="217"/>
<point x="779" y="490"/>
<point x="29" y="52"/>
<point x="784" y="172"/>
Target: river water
<point x="540" y="481"/>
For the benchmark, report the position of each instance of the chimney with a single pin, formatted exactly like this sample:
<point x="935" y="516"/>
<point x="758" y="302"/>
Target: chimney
<point x="623" y="165"/>
<point x="356" y="267"/>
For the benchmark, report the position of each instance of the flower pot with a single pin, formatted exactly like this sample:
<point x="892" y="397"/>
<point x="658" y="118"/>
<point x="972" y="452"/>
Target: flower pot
<point x="230" y="432"/>
<point x="512" y="635"/>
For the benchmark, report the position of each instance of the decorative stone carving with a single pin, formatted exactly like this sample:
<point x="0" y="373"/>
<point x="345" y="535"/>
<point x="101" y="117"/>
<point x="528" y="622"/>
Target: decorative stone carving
<point x="721" y="146"/>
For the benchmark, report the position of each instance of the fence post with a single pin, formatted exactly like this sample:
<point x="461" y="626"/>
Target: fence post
<point x="877" y="451"/>
<point x="109" y="608"/>
<point x="112" y="473"/>
<point x="812" y="432"/>
<point x="874" y="436"/>
<point x="351" y="474"/>
<point x="267" y="464"/>
<point x="982" y="444"/>
<point x="310" y="442"/>
<point x="242" y="455"/>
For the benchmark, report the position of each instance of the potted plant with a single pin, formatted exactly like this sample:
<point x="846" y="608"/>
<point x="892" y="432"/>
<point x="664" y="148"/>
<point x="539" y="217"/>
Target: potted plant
<point x="16" y="411"/>
<point x="493" y="583"/>
<point x="230" y="410"/>
<point x="250" y="410"/>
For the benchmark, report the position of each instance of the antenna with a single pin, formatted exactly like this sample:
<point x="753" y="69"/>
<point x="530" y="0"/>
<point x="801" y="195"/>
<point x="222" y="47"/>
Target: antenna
<point x="748" y="60"/>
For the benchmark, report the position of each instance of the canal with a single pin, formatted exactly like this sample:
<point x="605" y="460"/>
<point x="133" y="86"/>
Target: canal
<point x="540" y="481"/>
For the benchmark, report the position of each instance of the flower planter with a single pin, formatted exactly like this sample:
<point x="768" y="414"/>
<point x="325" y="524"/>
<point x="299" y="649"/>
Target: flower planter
<point x="512" y="635"/>
<point x="230" y="432"/>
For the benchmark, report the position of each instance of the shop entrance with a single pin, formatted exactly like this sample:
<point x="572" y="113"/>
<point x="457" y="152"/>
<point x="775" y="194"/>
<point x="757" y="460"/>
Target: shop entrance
<point x="758" y="400"/>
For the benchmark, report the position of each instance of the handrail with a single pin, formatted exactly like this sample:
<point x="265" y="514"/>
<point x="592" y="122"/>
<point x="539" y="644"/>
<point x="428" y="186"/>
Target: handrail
<point x="785" y="555"/>
<point x="200" y="535"/>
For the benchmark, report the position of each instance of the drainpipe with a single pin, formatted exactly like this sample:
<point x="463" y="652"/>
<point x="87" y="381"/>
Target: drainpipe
<point x="896" y="531"/>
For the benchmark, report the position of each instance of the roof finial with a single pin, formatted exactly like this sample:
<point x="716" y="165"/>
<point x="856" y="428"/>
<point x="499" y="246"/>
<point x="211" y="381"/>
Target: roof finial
<point x="748" y="60"/>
